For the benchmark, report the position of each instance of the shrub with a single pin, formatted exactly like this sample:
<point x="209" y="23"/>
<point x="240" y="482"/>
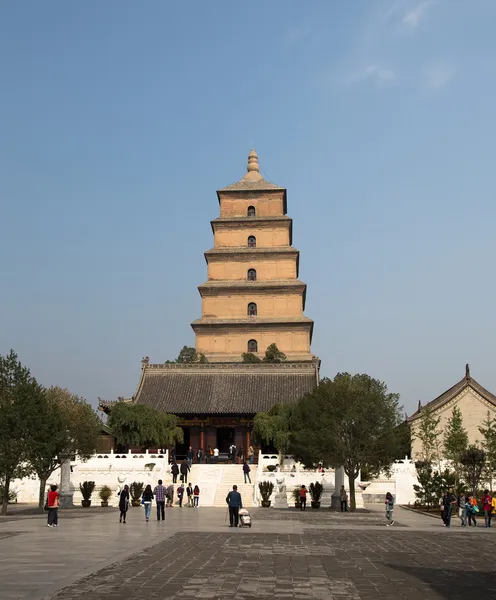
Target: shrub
<point x="105" y="493"/>
<point x="266" y="488"/>
<point x="316" y="490"/>
<point x="136" y="489"/>
<point x="86" y="488"/>
<point x="296" y="493"/>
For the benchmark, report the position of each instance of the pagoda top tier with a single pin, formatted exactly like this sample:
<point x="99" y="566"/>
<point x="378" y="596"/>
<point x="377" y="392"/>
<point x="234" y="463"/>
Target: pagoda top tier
<point x="253" y="180"/>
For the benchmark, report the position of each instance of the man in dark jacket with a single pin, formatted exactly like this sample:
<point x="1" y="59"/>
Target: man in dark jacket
<point x="235" y="503"/>
<point x="184" y="471"/>
<point x="174" y="471"/>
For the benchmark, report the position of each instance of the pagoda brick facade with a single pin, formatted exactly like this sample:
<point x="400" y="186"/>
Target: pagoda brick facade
<point x="252" y="297"/>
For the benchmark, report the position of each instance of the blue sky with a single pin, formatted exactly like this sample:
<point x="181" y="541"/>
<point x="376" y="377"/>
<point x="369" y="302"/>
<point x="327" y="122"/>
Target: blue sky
<point x="120" y="119"/>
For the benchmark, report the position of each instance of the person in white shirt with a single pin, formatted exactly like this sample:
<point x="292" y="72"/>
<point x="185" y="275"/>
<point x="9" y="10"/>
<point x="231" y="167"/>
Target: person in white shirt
<point x="216" y="454"/>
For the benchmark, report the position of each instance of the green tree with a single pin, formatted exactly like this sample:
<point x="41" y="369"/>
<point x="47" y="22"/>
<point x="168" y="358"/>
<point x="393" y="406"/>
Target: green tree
<point x="140" y="425"/>
<point x="274" y="427"/>
<point x="274" y="355"/>
<point x="249" y="357"/>
<point x="66" y="425"/>
<point x="427" y="489"/>
<point x="473" y="461"/>
<point x="455" y="440"/>
<point x="189" y="355"/>
<point x="488" y="432"/>
<point x="427" y="432"/>
<point x="350" y="421"/>
<point x="20" y="397"/>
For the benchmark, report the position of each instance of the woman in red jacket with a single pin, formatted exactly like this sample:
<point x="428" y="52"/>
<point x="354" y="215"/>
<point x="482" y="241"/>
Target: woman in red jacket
<point x="53" y="506"/>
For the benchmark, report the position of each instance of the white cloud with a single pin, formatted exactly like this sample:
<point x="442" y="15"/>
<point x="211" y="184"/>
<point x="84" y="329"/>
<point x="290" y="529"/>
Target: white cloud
<point x="373" y="72"/>
<point x="437" y="75"/>
<point x="413" y="17"/>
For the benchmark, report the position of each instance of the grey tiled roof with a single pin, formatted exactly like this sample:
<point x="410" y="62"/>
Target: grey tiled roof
<point x="241" y="186"/>
<point x="224" y="389"/>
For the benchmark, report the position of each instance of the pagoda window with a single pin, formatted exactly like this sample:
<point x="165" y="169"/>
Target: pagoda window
<point x="252" y="241"/>
<point x="252" y="275"/>
<point x="252" y="309"/>
<point x="252" y="346"/>
<point x="251" y="211"/>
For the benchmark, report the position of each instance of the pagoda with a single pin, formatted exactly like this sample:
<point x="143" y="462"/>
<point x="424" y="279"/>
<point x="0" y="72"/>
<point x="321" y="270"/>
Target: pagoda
<point x="252" y="298"/>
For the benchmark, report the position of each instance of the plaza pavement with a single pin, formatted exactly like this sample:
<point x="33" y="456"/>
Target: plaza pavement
<point x="286" y="554"/>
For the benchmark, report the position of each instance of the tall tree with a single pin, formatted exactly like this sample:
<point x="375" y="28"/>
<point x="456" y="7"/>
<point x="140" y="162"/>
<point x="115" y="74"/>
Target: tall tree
<point x="473" y="461"/>
<point x="20" y="397"/>
<point x="274" y="355"/>
<point x="67" y="425"/>
<point x="427" y="432"/>
<point x="455" y="440"/>
<point x="190" y="355"/>
<point x="488" y="432"/>
<point x="350" y="421"/>
<point x="274" y="427"/>
<point x="143" y="426"/>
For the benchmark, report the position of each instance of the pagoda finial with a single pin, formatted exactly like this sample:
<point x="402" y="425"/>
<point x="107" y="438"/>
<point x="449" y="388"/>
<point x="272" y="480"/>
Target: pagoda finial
<point x="253" y="170"/>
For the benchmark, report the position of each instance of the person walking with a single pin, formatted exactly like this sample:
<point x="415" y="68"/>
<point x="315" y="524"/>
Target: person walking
<point x="303" y="497"/>
<point x="240" y="455"/>
<point x="487" y="507"/>
<point x="123" y="503"/>
<point x="231" y="457"/>
<point x="189" y="456"/>
<point x="53" y="502"/>
<point x="462" y="513"/>
<point x="185" y="468"/>
<point x="251" y="454"/>
<point x="170" y="496"/>
<point x="146" y="499"/>
<point x="389" y="502"/>
<point x="172" y="455"/>
<point x="246" y="471"/>
<point x="471" y="510"/>
<point x="159" y="492"/>
<point x="448" y="501"/>
<point x="343" y="496"/>
<point x="196" y="496"/>
<point x="234" y="502"/>
<point x="180" y="494"/>
<point x="189" y="492"/>
<point x="216" y="454"/>
<point x="199" y="455"/>
<point x="174" y="471"/>
<point x="209" y="455"/>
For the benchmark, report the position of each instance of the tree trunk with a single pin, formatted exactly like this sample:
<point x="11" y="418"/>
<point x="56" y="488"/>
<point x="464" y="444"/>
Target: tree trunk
<point x="6" y="490"/>
<point x="42" y="496"/>
<point x="351" y="481"/>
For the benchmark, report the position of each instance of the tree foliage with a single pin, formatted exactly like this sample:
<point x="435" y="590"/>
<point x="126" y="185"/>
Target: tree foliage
<point x="189" y="355"/>
<point x="427" y="432"/>
<point x="274" y="355"/>
<point x="455" y="439"/>
<point x="432" y="483"/>
<point x="249" y="357"/>
<point x="66" y="425"/>
<point x="350" y="421"/>
<point x="473" y="461"/>
<point x="20" y="397"/>
<point x="488" y="443"/>
<point x="140" y="425"/>
<point x="274" y="427"/>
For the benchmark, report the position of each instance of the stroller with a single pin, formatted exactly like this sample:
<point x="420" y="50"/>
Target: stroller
<point x="244" y="518"/>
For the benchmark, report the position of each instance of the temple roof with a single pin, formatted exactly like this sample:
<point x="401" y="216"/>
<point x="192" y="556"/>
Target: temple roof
<point x="453" y="391"/>
<point x="223" y="389"/>
<point x="253" y="180"/>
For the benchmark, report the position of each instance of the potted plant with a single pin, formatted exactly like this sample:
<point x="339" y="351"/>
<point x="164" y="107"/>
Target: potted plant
<point x="136" y="489"/>
<point x="266" y="488"/>
<point x="271" y="468"/>
<point x="105" y="493"/>
<point x="86" y="488"/>
<point x="316" y="490"/>
<point x="296" y="496"/>
<point x="150" y="466"/>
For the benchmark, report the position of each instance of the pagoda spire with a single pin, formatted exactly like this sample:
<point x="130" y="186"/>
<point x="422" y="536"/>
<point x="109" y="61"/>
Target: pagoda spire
<point x="253" y="170"/>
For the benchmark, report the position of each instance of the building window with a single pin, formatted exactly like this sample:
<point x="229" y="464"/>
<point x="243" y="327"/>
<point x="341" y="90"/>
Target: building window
<point x="252" y="346"/>
<point x="251" y="211"/>
<point x="252" y="309"/>
<point x="252" y="241"/>
<point x="252" y="275"/>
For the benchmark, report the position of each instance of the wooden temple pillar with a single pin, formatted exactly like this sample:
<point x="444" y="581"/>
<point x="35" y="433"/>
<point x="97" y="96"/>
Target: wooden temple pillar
<point x="202" y="438"/>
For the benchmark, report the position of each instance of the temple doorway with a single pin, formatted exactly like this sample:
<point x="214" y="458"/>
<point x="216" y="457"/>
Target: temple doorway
<point x="182" y="449"/>
<point x="225" y="437"/>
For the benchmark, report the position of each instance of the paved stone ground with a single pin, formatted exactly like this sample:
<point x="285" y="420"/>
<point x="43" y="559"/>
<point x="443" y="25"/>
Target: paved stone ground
<point x="286" y="555"/>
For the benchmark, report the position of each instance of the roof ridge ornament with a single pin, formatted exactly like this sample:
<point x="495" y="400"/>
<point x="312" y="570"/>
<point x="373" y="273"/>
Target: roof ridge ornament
<point x="253" y="170"/>
<point x="467" y="371"/>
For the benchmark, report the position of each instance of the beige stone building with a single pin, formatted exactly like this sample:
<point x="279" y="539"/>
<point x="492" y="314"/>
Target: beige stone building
<point x="252" y="297"/>
<point x="473" y="401"/>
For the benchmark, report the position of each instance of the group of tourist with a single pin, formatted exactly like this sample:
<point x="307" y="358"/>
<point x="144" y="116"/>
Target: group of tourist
<point x="468" y="507"/>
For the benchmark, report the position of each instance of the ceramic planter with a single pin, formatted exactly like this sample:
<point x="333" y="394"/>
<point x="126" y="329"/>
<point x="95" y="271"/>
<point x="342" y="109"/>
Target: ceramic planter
<point x="266" y="503"/>
<point x="315" y="504"/>
<point x="85" y="503"/>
